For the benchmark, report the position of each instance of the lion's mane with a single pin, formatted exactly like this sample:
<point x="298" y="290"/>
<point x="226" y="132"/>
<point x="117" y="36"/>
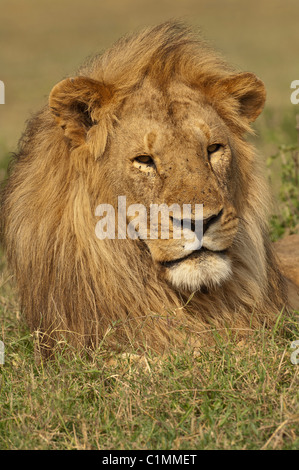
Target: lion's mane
<point x="88" y="291"/>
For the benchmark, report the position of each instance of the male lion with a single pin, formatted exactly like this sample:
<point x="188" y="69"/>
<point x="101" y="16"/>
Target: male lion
<point x="158" y="118"/>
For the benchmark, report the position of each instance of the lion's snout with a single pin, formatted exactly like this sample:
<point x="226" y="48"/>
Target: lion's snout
<point x="221" y="230"/>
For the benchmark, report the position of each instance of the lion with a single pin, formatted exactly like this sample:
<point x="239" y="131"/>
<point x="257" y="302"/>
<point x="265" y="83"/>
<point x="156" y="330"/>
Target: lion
<point x="159" y="118"/>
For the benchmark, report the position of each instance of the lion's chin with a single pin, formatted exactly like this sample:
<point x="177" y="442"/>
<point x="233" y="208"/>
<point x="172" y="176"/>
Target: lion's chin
<point x="194" y="273"/>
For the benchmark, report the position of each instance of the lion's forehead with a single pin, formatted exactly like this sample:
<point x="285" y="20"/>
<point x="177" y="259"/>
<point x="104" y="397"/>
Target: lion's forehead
<point x="170" y="118"/>
<point x="162" y="105"/>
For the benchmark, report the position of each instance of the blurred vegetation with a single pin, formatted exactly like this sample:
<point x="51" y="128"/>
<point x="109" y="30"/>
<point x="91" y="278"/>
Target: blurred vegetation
<point x="287" y="218"/>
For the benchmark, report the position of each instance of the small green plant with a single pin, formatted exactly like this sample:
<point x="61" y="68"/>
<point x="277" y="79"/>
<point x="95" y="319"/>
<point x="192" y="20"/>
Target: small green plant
<point x="286" y="220"/>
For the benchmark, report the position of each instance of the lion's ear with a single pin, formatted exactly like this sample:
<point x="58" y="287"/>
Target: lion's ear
<point x="249" y="91"/>
<point x="75" y="103"/>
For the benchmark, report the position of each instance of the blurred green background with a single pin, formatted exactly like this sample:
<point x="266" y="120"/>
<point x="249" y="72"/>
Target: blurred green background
<point x="42" y="41"/>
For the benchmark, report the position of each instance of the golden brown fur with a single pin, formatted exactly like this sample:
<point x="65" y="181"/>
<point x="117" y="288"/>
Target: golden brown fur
<point x="167" y="89"/>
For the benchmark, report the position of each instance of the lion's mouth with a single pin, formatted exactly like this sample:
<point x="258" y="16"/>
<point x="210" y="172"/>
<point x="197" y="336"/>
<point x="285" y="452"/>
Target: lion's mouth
<point x="194" y="255"/>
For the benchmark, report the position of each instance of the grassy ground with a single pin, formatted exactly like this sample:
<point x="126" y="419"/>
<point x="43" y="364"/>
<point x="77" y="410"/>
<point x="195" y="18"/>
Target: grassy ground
<point x="233" y="396"/>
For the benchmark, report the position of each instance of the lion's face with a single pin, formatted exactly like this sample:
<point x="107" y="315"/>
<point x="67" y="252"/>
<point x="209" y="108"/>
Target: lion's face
<point x="169" y="142"/>
<point x="173" y="148"/>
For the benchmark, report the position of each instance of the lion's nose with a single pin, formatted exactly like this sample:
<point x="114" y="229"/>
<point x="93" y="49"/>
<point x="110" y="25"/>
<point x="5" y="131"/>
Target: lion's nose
<point x="206" y="223"/>
<point x="211" y="220"/>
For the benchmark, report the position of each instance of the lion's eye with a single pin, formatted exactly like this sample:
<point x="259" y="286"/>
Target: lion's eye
<point x="145" y="159"/>
<point x="214" y="148"/>
<point x="145" y="163"/>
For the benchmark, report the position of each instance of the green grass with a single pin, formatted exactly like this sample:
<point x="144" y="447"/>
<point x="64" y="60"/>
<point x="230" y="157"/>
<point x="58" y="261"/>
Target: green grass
<point x="236" y="395"/>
